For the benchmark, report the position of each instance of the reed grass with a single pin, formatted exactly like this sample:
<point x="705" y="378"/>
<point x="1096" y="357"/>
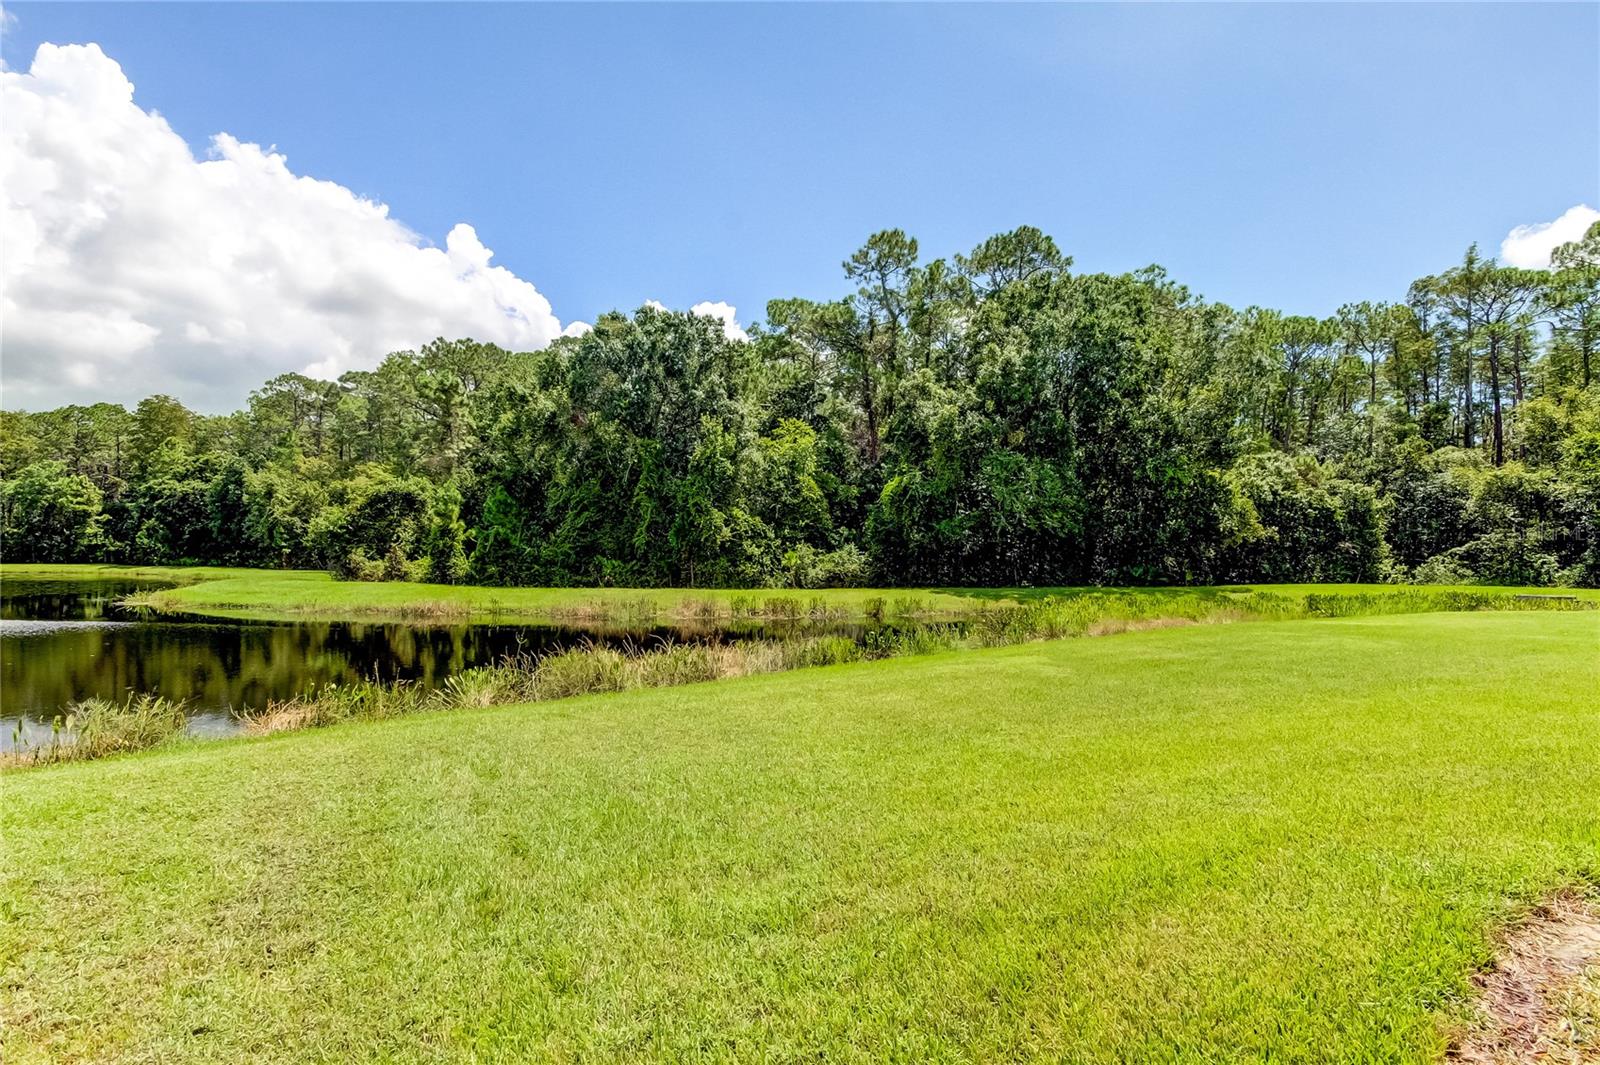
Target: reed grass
<point x="95" y="728"/>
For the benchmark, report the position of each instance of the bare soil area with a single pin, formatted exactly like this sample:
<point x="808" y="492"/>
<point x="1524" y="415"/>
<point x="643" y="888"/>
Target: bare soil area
<point x="1541" y="999"/>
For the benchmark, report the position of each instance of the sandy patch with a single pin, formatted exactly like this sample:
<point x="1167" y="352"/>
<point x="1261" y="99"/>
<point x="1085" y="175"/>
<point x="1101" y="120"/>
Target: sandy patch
<point x="1540" y="1001"/>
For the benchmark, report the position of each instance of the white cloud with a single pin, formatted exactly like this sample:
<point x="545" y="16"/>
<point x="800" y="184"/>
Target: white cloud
<point x="725" y="313"/>
<point x="728" y="315"/>
<point x="1530" y="246"/>
<point x="131" y="267"/>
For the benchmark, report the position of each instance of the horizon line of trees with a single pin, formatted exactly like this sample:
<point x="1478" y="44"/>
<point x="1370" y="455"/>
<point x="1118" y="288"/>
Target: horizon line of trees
<point x="989" y="419"/>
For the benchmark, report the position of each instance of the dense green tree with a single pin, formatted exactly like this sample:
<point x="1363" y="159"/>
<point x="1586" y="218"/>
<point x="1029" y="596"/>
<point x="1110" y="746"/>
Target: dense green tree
<point x="988" y="419"/>
<point x="1315" y="525"/>
<point x="49" y="514"/>
<point x="1573" y="299"/>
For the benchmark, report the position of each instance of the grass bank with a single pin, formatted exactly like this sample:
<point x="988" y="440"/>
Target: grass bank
<point x="1287" y="841"/>
<point x="307" y="594"/>
<point x="96" y="728"/>
<point x="73" y="571"/>
<point x="311" y="594"/>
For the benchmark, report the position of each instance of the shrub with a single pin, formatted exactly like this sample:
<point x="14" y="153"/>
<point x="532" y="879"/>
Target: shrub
<point x="356" y="566"/>
<point x="807" y="567"/>
<point x="396" y="567"/>
<point x="1314" y="525"/>
<point x="1447" y="568"/>
<point x="1508" y="558"/>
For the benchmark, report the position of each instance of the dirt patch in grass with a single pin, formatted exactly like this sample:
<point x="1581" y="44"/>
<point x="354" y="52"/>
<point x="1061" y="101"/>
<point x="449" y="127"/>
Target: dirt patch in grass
<point x="1540" y="1002"/>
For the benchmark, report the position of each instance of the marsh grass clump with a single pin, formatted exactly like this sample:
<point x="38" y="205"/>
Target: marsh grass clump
<point x="587" y="669"/>
<point x="483" y="686"/>
<point x="432" y="610"/>
<point x="148" y="601"/>
<point x="678" y="663"/>
<point x="334" y="703"/>
<point x="699" y="609"/>
<point x="140" y="721"/>
<point x="592" y="610"/>
<point x="1105" y="613"/>
<point x="1262" y="606"/>
<point x="781" y="606"/>
<point x="913" y="640"/>
<point x="802" y="653"/>
<point x="819" y="609"/>
<point x="580" y="670"/>
<point x="1427" y="600"/>
<point x="634" y="608"/>
<point x="96" y="728"/>
<point x="905" y="606"/>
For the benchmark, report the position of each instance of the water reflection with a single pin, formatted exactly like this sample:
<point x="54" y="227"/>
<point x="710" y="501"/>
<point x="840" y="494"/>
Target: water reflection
<point x="64" y="641"/>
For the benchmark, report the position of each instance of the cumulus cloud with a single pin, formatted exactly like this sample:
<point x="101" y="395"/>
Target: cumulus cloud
<point x="1530" y="246"/>
<point x="132" y="267"/>
<point x="725" y="313"/>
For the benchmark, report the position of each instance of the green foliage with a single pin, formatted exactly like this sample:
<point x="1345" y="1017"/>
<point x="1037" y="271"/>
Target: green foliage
<point x="444" y="545"/>
<point x="374" y="513"/>
<point x="988" y="420"/>
<point x="1312" y="523"/>
<point x="50" y="515"/>
<point x="807" y="567"/>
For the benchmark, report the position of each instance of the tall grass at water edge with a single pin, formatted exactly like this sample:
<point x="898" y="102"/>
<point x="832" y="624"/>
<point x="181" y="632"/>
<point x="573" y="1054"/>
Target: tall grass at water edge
<point x="95" y="728"/>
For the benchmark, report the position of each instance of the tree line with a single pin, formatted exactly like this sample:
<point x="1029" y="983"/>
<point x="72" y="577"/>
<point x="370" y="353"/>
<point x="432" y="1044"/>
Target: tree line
<point x="989" y="419"/>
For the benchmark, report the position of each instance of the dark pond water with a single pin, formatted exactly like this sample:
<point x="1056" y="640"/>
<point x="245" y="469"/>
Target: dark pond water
<point x="61" y="641"/>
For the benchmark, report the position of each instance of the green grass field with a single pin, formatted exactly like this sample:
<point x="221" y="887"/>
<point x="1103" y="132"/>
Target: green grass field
<point x="314" y="594"/>
<point x="1270" y="841"/>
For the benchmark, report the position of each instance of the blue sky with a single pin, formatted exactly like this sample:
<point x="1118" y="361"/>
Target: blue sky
<point x="1296" y="156"/>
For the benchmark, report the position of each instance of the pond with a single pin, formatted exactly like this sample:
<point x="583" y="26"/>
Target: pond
<point x="62" y="641"/>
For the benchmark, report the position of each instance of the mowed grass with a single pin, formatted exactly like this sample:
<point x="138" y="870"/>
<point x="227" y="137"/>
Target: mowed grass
<point x="309" y="593"/>
<point x="278" y="594"/>
<point x="1268" y="841"/>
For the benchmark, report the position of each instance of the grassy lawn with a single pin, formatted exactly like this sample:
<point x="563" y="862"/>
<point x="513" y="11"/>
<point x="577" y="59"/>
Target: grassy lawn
<point x="308" y="593"/>
<point x="76" y="571"/>
<point x="314" y="594"/>
<point x="1286" y="841"/>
